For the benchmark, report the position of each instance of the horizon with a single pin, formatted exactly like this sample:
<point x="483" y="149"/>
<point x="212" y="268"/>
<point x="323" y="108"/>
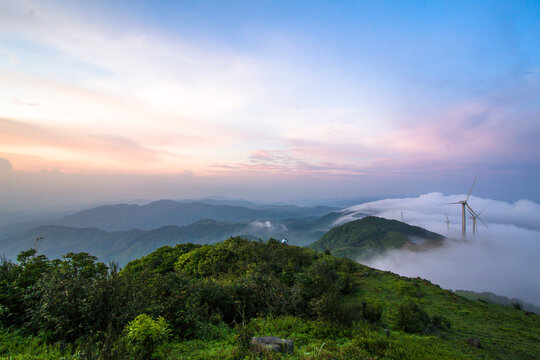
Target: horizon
<point x="267" y="101"/>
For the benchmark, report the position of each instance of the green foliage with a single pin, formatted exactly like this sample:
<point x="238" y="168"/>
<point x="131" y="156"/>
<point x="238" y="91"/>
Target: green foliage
<point x="15" y="345"/>
<point x="370" y="236"/>
<point x="441" y="323"/>
<point x="144" y="334"/>
<point x="161" y="261"/>
<point x="244" y="334"/>
<point x="71" y="299"/>
<point x="411" y="318"/>
<point x="16" y="282"/>
<point x="372" y="312"/>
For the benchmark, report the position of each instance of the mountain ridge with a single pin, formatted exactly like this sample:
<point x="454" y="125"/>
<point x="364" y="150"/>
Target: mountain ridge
<point x="371" y="236"/>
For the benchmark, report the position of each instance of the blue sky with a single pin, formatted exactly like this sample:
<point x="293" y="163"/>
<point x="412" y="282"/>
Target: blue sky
<point x="313" y="99"/>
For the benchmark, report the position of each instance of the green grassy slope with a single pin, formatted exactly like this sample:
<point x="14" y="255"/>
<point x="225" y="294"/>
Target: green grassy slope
<point x="275" y="290"/>
<point x="373" y="235"/>
<point x="488" y="297"/>
<point x="504" y="333"/>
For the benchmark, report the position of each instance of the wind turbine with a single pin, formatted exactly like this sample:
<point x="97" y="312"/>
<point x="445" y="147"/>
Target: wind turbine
<point x="464" y="207"/>
<point x="447" y="224"/>
<point x="474" y="224"/>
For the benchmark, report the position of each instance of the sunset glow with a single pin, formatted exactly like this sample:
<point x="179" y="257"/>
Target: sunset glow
<point x="336" y="95"/>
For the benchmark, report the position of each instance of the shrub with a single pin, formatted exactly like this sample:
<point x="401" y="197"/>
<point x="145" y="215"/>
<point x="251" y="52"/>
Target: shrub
<point x="347" y="284"/>
<point x="332" y="306"/>
<point x="144" y="334"/>
<point x="80" y="309"/>
<point x="411" y="318"/>
<point x="517" y="305"/>
<point x="372" y="313"/>
<point x="244" y="334"/>
<point x="441" y="323"/>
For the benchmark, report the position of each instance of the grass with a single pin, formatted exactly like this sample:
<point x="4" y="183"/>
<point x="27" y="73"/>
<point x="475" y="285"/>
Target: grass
<point x="15" y="345"/>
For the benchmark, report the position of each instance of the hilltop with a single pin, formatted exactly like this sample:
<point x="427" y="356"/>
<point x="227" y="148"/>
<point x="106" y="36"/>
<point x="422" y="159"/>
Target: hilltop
<point x="372" y="236"/>
<point x="195" y="301"/>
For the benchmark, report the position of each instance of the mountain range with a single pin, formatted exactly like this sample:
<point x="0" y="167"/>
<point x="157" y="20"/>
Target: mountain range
<point x="125" y="231"/>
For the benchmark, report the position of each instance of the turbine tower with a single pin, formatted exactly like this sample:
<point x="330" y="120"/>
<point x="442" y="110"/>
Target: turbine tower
<point x="473" y="218"/>
<point x="474" y="224"/>
<point x="447" y="224"/>
<point x="464" y="208"/>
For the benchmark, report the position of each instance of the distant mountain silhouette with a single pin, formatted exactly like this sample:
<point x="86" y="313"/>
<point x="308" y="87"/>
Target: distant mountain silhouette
<point x="169" y="212"/>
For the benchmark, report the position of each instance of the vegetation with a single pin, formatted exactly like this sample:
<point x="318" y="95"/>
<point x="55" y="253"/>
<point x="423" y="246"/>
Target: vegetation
<point x="144" y="334"/>
<point x="196" y="301"/>
<point x="373" y="235"/>
<point x="488" y="297"/>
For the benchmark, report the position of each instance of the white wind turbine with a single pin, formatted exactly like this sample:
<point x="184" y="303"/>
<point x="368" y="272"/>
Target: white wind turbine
<point x="447" y="224"/>
<point x="474" y="224"/>
<point x="464" y="208"/>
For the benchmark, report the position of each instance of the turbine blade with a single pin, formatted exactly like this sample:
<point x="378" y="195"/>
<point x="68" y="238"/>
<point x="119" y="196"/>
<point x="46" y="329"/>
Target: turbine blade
<point x="475" y="214"/>
<point x="451" y="203"/>
<point x="471" y="210"/>
<point x="470" y="191"/>
<point x="482" y="221"/>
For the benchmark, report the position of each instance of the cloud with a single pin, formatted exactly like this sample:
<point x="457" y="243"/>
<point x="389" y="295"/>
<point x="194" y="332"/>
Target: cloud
<point x="71" y="147"/>
<point x="187" y="173"/>
<point x="267" y="225"/>
<point x="5" y="165"/>
<point x="428" y="209"/>
<point x="9" y="55"/>
<point x="502" y="258"/>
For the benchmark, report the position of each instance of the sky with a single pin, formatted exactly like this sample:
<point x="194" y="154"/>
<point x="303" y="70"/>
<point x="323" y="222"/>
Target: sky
<point x="267" y="100"/>
<point x="501" y="257"/>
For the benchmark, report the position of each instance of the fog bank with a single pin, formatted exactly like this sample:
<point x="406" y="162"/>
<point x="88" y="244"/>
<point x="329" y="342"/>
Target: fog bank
<point x="502" y="258"/>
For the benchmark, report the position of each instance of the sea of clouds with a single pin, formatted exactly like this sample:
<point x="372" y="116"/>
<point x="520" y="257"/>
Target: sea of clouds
<point x="503" y="258"/>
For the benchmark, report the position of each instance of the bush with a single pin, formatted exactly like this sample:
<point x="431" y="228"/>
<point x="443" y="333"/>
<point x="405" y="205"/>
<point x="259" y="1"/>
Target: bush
<point x="441" y="323"/>
<point x="411" y="318"/>
<point x="244" y="334"/>
<point x="80" y="309"/>
<point x="371" y="313"/>
<point x="517" y="305"/>
<point x="144" y="334"/>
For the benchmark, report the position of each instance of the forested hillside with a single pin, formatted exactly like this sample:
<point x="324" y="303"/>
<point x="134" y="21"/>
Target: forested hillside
<point x="126" y="232"/>
<point x="371" y="235"/>
<point x="206" y="302"/>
